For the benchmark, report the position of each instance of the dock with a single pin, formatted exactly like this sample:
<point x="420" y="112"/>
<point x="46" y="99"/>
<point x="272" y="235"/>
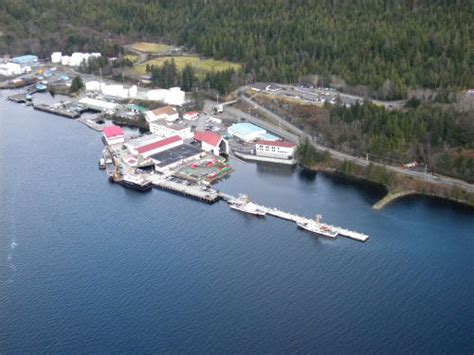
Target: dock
<point x="57" y="110"/>
<point x="209" y="195"/>
<point x="360" y="237"/>
<point x="18" y="98"/>
<point x="91" y="123"/>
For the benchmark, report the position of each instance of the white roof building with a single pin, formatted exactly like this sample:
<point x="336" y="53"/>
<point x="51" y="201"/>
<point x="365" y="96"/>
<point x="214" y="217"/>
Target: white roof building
<point x="168" y="129"/>
<point x="9" y="69"/>
<point x="167" y="113"/>
<point x="98" y="105"/>
<point x="56" y="57"/>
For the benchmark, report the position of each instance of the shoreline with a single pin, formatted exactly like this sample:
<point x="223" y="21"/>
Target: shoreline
<point x="404" y="187"/>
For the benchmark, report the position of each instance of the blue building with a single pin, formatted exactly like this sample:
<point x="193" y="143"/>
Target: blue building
<point x="27" y="59"/>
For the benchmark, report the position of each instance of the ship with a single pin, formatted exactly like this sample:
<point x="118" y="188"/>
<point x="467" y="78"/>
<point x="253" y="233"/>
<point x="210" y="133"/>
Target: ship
<point x="102" y="165"/>
<point x="135" y="182"/>
<point x="243" y="204"/>
<point x="315" y="226"/>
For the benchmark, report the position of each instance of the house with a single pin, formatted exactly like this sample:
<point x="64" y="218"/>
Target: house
<point x="275" y="149"/>
<point x="113" y="135"/>
<point x="212" y="142"/>
<point x="167" y="129"/>
<point x="152" y="144"/>
<point x="167" y="113"/>
<point x="191" y="116"/>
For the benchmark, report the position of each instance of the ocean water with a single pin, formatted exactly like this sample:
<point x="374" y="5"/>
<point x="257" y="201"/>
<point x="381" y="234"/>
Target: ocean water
<point x="87" y="266"/>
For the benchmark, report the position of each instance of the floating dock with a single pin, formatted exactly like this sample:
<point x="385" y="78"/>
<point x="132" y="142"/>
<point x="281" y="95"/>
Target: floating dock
<point x="18" y="98"/>
<point x="60" y="111"/>
<point x="360" y="237"/>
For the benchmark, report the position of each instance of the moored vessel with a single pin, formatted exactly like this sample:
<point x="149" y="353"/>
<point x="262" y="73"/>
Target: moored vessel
<point x="135" y="182"/>
<point x="243" y="204"/>
<point x="317" y="227"/>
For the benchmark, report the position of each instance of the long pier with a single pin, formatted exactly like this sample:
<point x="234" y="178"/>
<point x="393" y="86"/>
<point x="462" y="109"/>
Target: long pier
<point x="60" y="111"/>
<point x="360" y="237"/>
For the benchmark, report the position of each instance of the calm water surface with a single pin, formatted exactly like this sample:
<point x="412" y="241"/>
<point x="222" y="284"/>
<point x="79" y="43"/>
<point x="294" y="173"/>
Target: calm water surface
<point x="88" y="266"/>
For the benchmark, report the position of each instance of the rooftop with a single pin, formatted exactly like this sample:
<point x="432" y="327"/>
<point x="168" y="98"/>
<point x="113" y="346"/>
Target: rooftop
<point x="165" y="110"/>
<point x="173" y="126"/>
<point x="143" y="140"/>
<point x="283" y="144"/>
<point x="175" y="154"/>
<point x="208" y="137"/>
<point x="112" y="131"/>
<point x="161" y="143"/>
<point x="246" y="128"/>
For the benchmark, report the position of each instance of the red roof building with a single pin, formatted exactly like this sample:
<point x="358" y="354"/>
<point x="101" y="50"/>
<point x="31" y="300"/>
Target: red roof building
<point x="191" y="116"/>
<point x="159" y="146"/>
<point x="275" y="149"/>
<point x="212" y="142"/>
<point x="112" y="131"/>
<point x="113" y="135"/>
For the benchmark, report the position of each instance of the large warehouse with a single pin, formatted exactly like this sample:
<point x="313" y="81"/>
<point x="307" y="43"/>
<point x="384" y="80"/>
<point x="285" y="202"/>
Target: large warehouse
<point x="249" y="132"/>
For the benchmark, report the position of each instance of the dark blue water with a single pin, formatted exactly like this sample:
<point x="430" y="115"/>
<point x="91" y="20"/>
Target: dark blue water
<point x="88" y="266"/>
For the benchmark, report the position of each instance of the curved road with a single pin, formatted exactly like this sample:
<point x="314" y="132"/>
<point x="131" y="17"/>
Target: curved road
<point x="440" y="180"/>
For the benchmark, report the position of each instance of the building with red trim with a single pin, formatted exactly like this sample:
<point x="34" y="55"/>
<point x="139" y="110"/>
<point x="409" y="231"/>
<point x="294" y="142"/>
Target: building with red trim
<point x="275" y="149"/>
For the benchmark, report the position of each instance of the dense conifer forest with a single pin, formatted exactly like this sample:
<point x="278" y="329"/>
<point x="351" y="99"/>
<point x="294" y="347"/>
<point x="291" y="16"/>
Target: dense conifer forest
<point x="387" y="46"/>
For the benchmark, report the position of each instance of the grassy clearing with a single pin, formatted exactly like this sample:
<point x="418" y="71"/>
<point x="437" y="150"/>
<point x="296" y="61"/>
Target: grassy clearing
<point x="131" y="57"/>
<point x="201" y="66"/>
<point x="155" y="48"/>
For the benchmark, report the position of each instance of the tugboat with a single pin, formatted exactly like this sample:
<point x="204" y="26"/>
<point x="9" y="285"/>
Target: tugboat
<point x="243" y="204"/>
<point x="317" y="227"/>
<point x="135" y="182"/>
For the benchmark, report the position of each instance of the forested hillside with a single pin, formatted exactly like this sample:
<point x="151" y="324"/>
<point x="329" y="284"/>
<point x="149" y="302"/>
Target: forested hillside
<point x="386" y="45"/>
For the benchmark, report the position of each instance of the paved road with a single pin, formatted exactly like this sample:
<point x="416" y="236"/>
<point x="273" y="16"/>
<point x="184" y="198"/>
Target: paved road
<point x="440" y="180"/>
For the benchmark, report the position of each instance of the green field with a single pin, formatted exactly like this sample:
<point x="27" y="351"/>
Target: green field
<point x="200" y="65"/>
<point x="155" y="48"/>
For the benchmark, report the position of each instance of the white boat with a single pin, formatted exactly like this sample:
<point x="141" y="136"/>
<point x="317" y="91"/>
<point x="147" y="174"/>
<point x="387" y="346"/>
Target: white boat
<point x="317" y="227"/>
<point x="243" y="204"/>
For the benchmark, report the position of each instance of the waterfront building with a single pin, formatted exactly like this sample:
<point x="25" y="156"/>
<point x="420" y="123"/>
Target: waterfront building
<point x="246" y="132"/>
<point x="98" y="105"/>
<point x="175" y="156"/>
<point x="275" y="149"/>
<point x="10" y="69"/>
<point x="113" y="135"/>
<point x="152" y="144"/>
<point x="212" y="142"/>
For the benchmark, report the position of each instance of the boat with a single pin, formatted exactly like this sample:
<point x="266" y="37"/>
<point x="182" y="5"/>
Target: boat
<point x="243" y="204"/>
<point x="135" y="182"/>
<point x="41" y="87"/>
<point x="315" y="226"/>
<point x="102" y="165"/>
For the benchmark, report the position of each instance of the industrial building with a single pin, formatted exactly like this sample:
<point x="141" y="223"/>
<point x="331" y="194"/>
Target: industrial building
<point x="113" y="135"/>
<point x="27" y="59"/>
<point x="249" y="132"/>
<point x="10" y="69"/>
<point x="275" y="149"/>
<point x="74" y="60"/>
<point x="167" y="113"/>
<point x="173" y="96"/>
<point x="112" y="90"/>
<point x="152" y="144"/>
<point x="167" y="129"/>
<point x="175" y="156"/>
<point x="212" y="142"/>
<point x="98" y="105"/>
